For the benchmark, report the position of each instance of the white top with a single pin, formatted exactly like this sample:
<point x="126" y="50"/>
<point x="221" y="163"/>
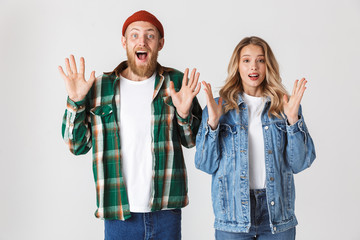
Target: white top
<point x="257" y="172"/>
<point x="135" y="136"/>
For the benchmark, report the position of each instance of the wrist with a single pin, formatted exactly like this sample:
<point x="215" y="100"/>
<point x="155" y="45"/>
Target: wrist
<point x="182" y="115"/>
<point x="292" y="120"/>
<point x="76" y="98"/>
<point x="213" y="124"/>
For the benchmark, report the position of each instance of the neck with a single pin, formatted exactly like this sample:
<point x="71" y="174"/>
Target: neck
<point x="128" y="74"/>
<point x="255" y="92"/>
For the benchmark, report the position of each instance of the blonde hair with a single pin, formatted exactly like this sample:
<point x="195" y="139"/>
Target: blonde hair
<point x="271" y="86"/>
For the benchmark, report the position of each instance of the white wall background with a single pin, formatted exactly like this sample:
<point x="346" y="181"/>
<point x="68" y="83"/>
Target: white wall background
<point x="47" y="193"/>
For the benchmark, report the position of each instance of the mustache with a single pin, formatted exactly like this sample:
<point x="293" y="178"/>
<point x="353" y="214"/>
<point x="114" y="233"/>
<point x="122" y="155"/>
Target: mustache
<point x="142" y="49"/>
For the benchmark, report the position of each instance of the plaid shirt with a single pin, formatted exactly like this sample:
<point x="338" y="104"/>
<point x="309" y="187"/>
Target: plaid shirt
<point x="94" y="122"/>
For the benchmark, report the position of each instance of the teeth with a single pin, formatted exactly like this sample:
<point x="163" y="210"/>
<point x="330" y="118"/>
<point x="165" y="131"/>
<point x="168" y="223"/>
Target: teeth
<point x="141" y="52"/>
<point x="253" y="75"/>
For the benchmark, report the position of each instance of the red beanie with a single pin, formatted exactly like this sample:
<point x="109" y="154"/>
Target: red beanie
<point x="146" y="17"/>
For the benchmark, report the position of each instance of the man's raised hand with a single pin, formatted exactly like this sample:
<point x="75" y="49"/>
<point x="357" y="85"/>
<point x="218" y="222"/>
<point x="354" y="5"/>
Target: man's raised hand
<point x="76" y="85"/>
<point x="182" y="100"/>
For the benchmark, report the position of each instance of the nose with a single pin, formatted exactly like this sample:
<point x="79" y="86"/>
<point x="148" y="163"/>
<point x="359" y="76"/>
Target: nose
<point x="254" y="66"/>
<point x="142" y="40"/>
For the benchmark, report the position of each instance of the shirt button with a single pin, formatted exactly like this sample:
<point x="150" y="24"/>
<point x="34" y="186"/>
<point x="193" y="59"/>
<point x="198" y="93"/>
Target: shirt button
<point x="274" y="229"/>
<point x="266" y="127"/>
<point x="270" y="152"/>
<point x="271" y="179"/>
<point x="272" y="203"/>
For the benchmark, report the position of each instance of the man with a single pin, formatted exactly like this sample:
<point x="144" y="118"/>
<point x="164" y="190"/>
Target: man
<point x="135" y="118"/>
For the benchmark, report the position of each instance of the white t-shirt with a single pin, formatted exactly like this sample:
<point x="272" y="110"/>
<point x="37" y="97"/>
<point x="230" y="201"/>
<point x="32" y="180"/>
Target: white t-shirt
<point x="135" y="136"/>
<point x="257" y="172"/>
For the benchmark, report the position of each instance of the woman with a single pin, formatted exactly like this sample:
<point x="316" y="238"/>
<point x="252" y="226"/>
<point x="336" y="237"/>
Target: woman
<point x="252" y="140"/>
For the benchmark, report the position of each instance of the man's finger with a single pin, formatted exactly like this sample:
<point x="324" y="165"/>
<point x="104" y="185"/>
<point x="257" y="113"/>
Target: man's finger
<point x="192" y="75"/>
<point x="73" y="64"/>
<point x="197" y="90"/>
<point x="92" y="78"/>
<point x="172" y="88"/>
<point x="82" y="66"/>
<point x="61" y="71"/>
<point x="186" y="73"/>
<point x="195" y="82"/>
<point x="67" y="65"/>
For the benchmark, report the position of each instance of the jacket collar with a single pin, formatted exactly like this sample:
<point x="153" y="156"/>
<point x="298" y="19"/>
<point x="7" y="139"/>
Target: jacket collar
<point x="241" y="100"/>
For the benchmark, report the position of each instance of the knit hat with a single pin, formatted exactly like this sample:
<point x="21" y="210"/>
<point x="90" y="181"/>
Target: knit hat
<point x="146" y="17"/>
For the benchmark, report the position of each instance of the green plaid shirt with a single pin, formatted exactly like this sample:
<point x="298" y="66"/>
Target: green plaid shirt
<point x="94" y="122"/>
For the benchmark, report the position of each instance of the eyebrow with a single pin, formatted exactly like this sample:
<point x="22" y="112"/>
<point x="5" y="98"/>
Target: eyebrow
<point x="148" y="30"/>
<point x="247" y="55"/>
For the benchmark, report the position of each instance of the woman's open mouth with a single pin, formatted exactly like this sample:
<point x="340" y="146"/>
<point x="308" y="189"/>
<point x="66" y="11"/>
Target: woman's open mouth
<point x="253" y="76"/>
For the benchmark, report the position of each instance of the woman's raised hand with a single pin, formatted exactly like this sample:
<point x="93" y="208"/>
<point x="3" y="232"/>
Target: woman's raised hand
<point x="291" y="106"/>
<point x="215" y="110"/>
<point x="76" y="85"/>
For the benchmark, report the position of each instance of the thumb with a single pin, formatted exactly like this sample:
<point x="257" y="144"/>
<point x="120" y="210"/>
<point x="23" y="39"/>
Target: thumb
<point x="172" y="88"/>
<point x="285" y="98"/>
<point x="220" y="101"/>
<point x="92" y="78"/>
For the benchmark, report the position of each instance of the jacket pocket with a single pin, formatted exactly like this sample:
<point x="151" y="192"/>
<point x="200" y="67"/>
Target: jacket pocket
<point x="223" y="194"/>
<point x="280" y="135"/>
<point x="227" y="144"/>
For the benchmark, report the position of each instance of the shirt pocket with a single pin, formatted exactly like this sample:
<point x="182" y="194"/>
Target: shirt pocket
<point x="102" y="110"/>
<point x="103" y="121"/>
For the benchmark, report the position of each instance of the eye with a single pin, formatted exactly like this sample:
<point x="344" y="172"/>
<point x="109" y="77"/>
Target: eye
<point x="134" y="35"/>
<point x="261" y="60"/>
<point x="246" y="60"/>
<point x="151" y="36"/>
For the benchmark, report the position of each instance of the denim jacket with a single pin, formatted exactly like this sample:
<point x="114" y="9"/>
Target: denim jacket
<point x="223" y="152"/>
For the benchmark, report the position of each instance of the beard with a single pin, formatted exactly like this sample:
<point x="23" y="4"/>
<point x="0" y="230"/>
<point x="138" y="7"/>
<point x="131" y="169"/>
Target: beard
<point x="144" y="70"/>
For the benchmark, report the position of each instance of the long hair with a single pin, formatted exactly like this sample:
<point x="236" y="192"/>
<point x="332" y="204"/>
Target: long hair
<point x="271" y="86"/>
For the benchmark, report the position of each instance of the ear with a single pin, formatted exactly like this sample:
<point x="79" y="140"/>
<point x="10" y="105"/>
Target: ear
<point x="161" y="43"/>
<point x="123" y="42"/>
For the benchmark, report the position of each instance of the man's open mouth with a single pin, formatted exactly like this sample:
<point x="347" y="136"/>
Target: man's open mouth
<point x="141" y="55"/>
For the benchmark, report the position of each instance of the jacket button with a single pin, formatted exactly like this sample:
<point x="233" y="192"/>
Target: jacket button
<point x="271" y="179"/>
<point x="270" y="152"/>
<point x="272" y="203"/>
<point x="266" y="127"/>
<point x="274" y="229"/>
